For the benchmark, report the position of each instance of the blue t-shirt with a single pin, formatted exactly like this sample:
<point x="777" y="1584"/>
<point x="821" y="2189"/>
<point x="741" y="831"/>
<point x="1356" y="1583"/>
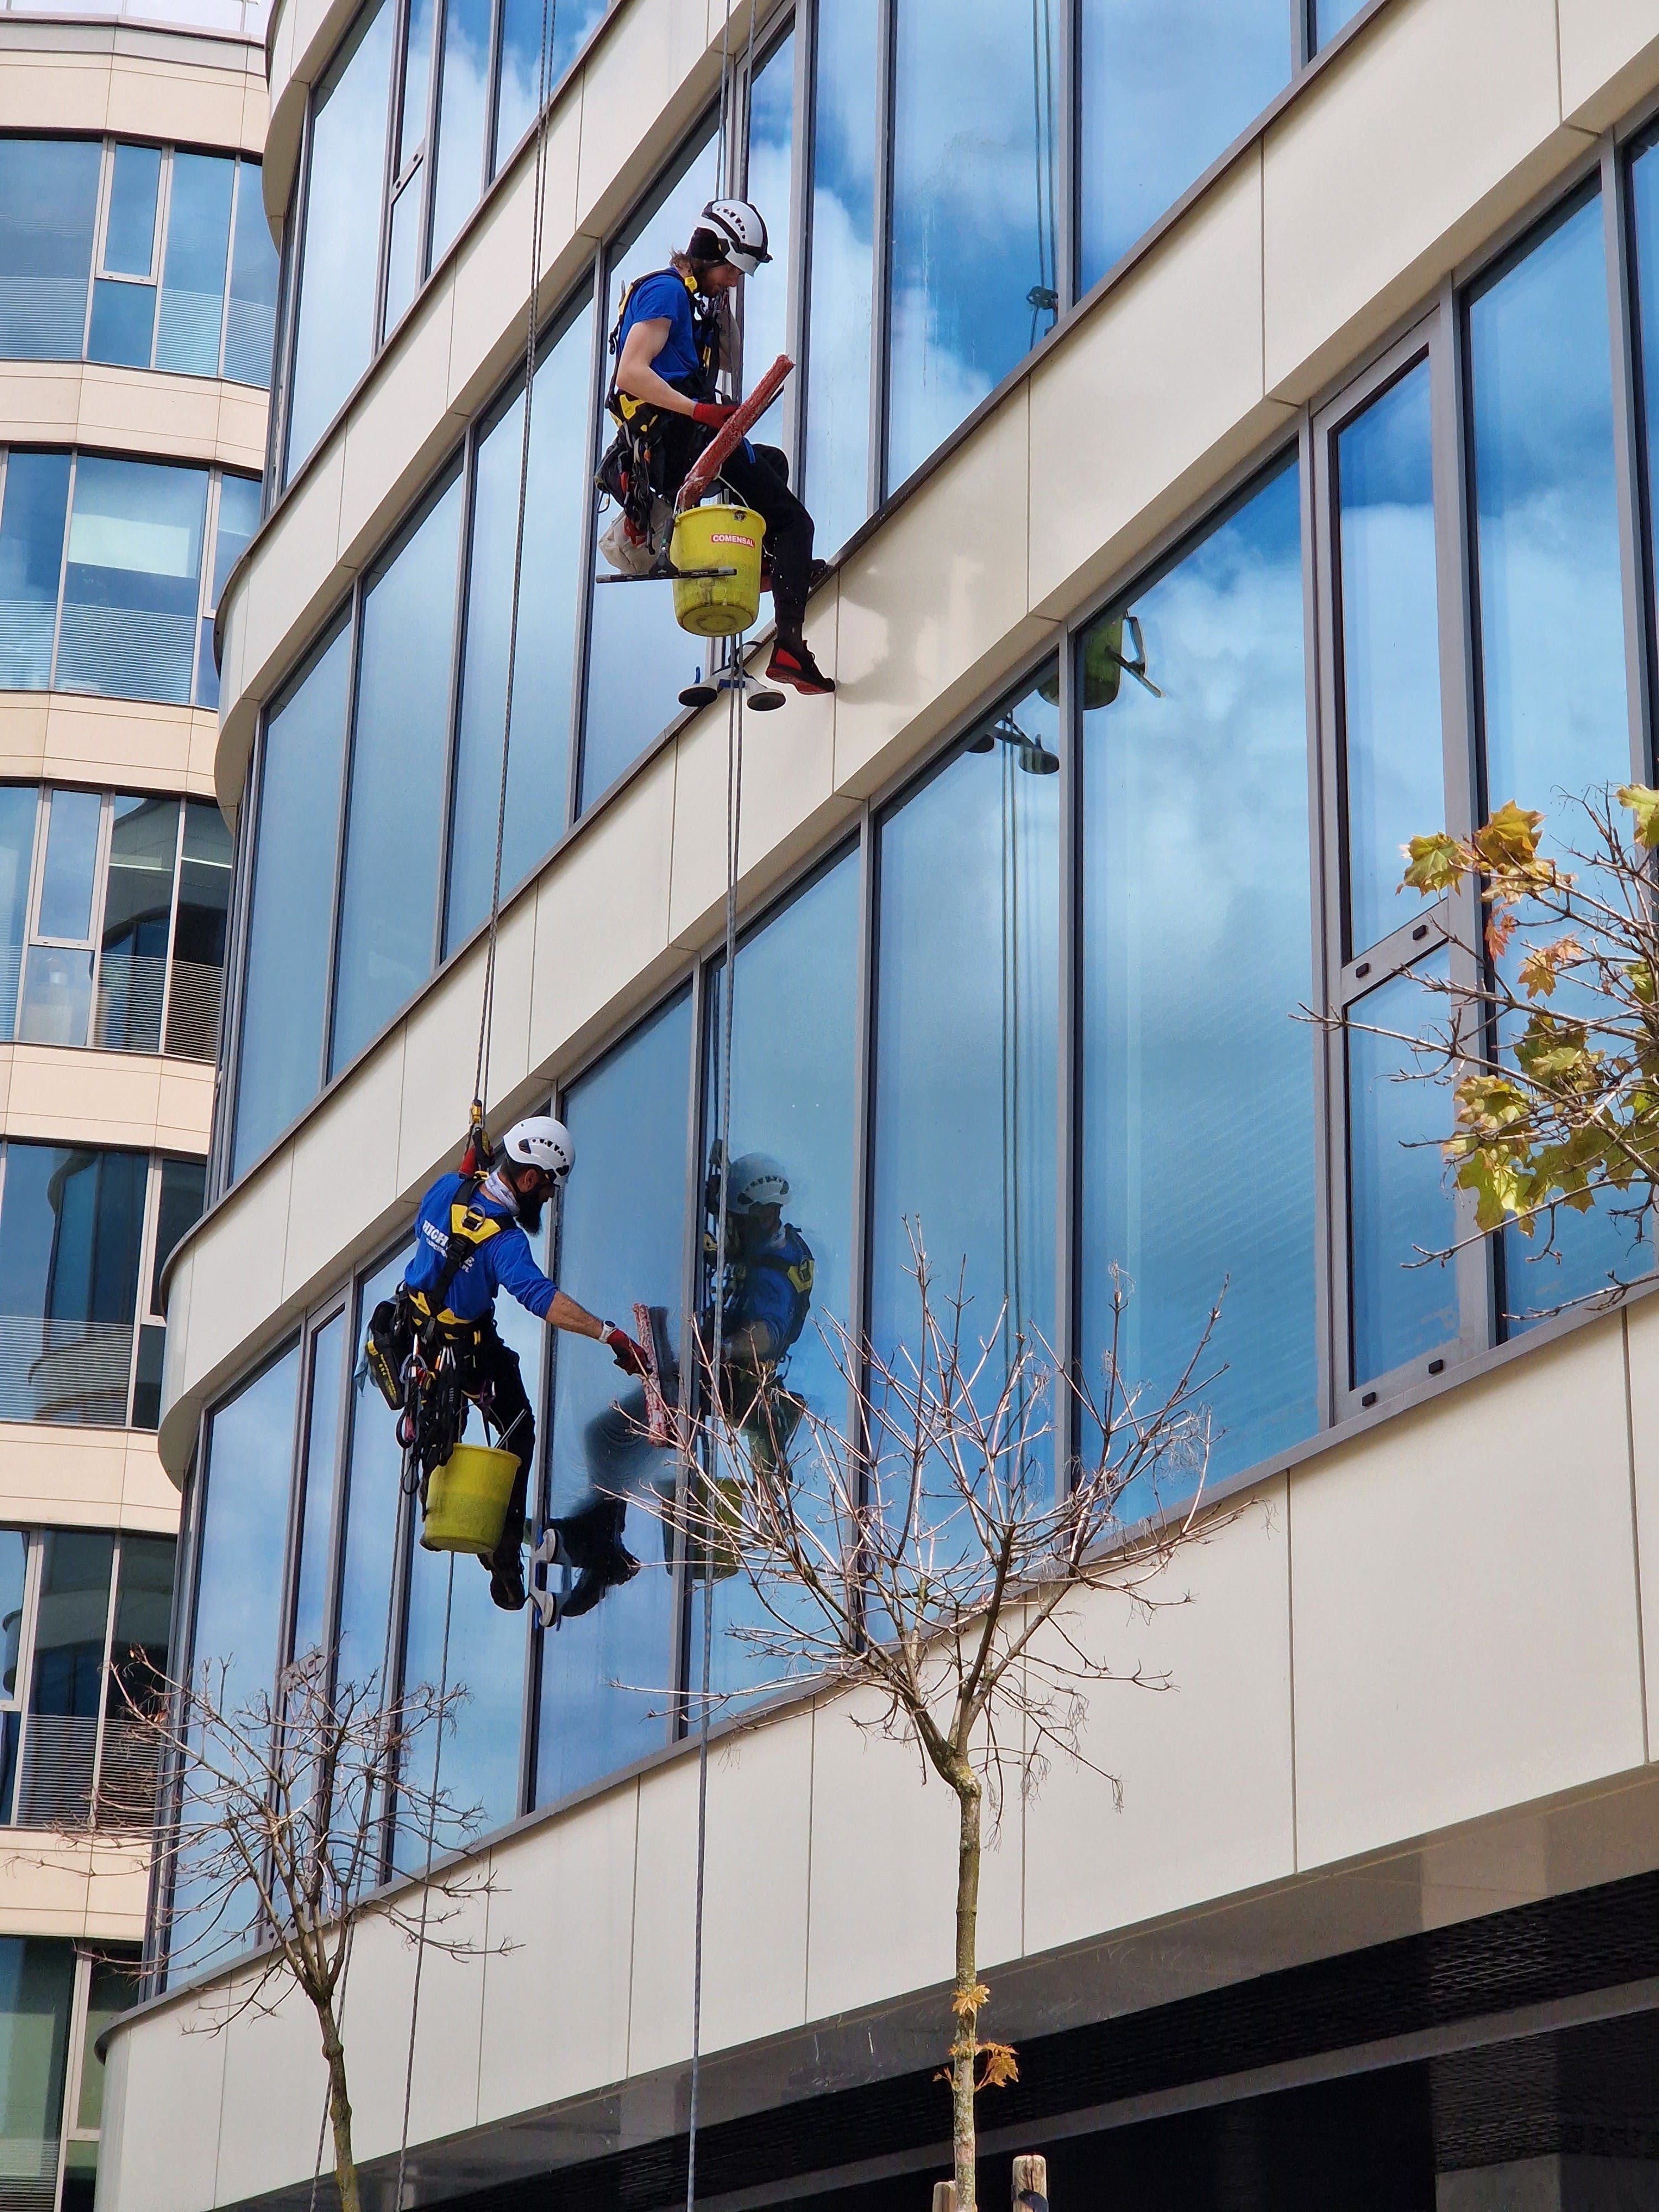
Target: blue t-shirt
<point x="502" y="1262"/>
<point x="652" y="298"/>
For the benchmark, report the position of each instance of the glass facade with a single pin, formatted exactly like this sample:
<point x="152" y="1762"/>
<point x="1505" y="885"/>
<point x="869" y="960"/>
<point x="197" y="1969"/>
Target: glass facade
<point x="177" y="272"/>
<point x="112" y="915"/>
<point x="55" y="1999"/>
<point x="110" y="574"/>
<point x="82" y="1250"/>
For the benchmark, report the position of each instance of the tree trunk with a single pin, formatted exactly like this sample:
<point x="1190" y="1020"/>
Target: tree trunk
<point x="964" y="2138"/>
<point x="339" y="2112"/>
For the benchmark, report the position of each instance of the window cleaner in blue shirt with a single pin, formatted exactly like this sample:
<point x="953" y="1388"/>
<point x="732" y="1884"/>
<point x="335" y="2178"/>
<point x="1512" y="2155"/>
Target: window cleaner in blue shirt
<point x="765" y="1300"/>
<point x="471" y="1241"/>
<point x="671" y="344"/>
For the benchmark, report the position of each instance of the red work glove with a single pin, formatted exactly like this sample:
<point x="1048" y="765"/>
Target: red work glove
<point x="712" y="414"/>
<point x="627" y="1355"/>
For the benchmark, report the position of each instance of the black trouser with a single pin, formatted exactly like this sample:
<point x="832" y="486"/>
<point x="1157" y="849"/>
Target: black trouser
<point x="764" y="485"/>
<point x="492" y="1376"/>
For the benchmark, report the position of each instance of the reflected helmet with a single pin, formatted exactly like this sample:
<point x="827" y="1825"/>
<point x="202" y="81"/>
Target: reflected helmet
<point x="741" y="230"/>
<point x="540" y="1142"/>
<point x="753" y="1180"/>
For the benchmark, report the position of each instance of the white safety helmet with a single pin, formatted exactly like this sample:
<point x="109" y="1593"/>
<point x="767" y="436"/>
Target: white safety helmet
<point x="540" y="1142"/>
<point x="755" y="1180"/>
<point x="741" y="229"/>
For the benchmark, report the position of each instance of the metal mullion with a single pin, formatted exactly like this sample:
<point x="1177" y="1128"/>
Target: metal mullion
<point x="26" y="1643"/>
<point x="63" y="566"/>
<point x="158" y="262"/>
<point x="204" y="594"/>
<point x="111" y="1604"/>
<point x="704" y="1005"/>
<point x="429" y="147"/>
<point x="173" y="928"/>
<point x="1627" y="454"/>
<point x="1304" y="39"/>
<point x="456" y="665"/>
<point x="864" y="1123"/>
<point x="394" y="107"/>
<point x="75" y="2065"/>
<point x="1478" y="1265"/>
<point x="1068" y="1242"/>
<point x="32" y="895"/>
<point x="230" y="264"/>
<point x="141" y="1308"/>
<point x="348" y="770"/>
<point x="340" y="1473"/>
<point x="881" y="252"/>
<point x="583" y="646"/>
<point x="1331" y="1285"/>
<point x="493" y="95"/>
<point x="99" y="229"/>
<point x="99" y="898"/>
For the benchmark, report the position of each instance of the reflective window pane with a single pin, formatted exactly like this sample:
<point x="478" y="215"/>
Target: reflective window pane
<point x="71" y="1225"/>
<point x="974" y="180"/>
<point x="143" y="1620"/>
<point x="37" y="1984"/>
<point x="462" y="118"/>
<point x="1193" y="973"/>
<point x="539" y="761"/>
<point x="1331" y="14"/>
<point x="421" y="19"/>
<point x="638" y="656"/>
<point x="123" y="326"/>
<point x="32" y="517"/>
<point x="66" y="1696"/>
<point x="130" y="232"/>
<point x="966" y="1012"/>
<point x="316" y="1516"/>
<point x="184" y="1187"/>
<point x="571" y="24"/>
<point x="193" y="273"/>
<point x="1399" y="1203"/>
<point x="285" y="986"/>
<point x="239" y="518"/>
<point x="196" y="985"/>
<point x="842" y="281"/>
<point x="132" y="964"/>
<point x="251" y="316"/>
<point x="66" y="880"/>
<point x="1552" y="610"/>
<point x="404" y="249"/>
<point x="604" y="1673"/>
<point x="1167" y="85"/>
<point x="48" y="213"/>
<point x="132" y="580"/>
<point x="339" y="253"/>
<point x="56" y="1003"/>
<point x="372" y="1511"/>
<point x="1393" y="775"/>
<point x="114" y="1989"/>
<point x="19" y="806"/>
<point x="794" y="1057"/>
<point x="766" y="297"/>
<point x="400" y="744"/>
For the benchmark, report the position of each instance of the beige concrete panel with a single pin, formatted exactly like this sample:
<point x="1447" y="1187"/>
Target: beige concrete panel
<point x="48" y="92"/>
<point x="275" y="2083"/>
<point x="233" y="637"/>
<point x="490" y="273"/>
<point x="124" y="743"/>
<point x="40" y="399"/>
<point x="23" y="717"/>
<point x="634" y="100"/>
<point x="244" y="411"/>
<point x="1610" y="58"/>
<point x="1152" y="399"/>
<point x="170" y="2096"/>
<point x="158" y="100"/>
<point x="934" y="605"/>
<point x="319" y="26"/>
<point x="383" y="470"/>
<point x="148" y="1499"/>
<point x="754" y="1897"/>
<point x="325" y="1209"/>
<point x="602" y="915"/>
<point x="184" y="1111"/>
<point x="237" y="1275"/>
<point x="1438" y="124"/>
<point x="83" y="1096"/>
<point x="141" y="411"/>
<point x="1641" y="1348"/>
<point x="441" y="1039"/>
<point x="1204" y="1765"/>
<point x="283" y="604"/>
<point x="1464" y="1604"/>
<point x="68" y="1475"/>
<point x="564" y="1908"/>
<point x="883" y="1870"/>
<point x="446" y="2087"/>
<point x="790" y="806"/>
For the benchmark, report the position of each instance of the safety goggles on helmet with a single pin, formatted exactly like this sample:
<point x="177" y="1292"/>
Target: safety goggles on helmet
<point x="741" y="229"/>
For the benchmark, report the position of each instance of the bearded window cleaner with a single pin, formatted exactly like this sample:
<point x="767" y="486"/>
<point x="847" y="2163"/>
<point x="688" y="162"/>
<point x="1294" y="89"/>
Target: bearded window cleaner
<point x="433" y="1347"/>
<point x="671" y="340"/>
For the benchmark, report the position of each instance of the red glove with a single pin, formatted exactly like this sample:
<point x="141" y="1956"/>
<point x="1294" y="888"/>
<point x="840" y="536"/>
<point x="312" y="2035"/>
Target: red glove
<point x="713" y="414"/>
<point x="627" y="1355"/>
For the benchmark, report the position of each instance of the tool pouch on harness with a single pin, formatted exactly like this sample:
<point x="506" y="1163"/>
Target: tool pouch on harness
<point x="391" y="1340"/>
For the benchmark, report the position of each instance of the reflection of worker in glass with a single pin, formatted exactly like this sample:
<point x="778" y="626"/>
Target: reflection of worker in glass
<point x="625" y="1466"/>
<point x="764" y="1303"/>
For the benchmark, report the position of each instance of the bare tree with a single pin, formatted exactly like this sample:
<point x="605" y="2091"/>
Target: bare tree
<point x="290" y="1810"/>
<point x="1550" y="1042"/>
<point x="930" y="1556"/>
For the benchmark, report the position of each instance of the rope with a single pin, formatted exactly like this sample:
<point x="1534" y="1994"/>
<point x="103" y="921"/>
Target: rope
<point x="733" y="831"/>
<point x="487" y="1011"/>
<point x="426" y="1891"/>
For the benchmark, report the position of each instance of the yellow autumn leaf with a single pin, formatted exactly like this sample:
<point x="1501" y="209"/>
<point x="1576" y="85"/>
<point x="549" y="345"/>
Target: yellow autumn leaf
<point x="1434" y="864"/>
<point x="1644" y="804"/>
<point x="1510" y="839"/>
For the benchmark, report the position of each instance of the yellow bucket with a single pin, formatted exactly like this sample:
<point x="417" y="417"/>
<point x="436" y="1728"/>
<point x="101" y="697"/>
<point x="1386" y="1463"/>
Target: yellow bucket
<point x="717" y="538"/>
<point x="467" y="1498"/>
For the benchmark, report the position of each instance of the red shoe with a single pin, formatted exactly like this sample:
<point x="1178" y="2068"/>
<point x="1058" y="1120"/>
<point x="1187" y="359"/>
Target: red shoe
<point x="794" y="665"/>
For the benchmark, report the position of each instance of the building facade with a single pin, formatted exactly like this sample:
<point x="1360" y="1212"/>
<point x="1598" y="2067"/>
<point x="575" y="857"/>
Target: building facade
<point x="1231" y="428"/>
<point x="137" y="286"/>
